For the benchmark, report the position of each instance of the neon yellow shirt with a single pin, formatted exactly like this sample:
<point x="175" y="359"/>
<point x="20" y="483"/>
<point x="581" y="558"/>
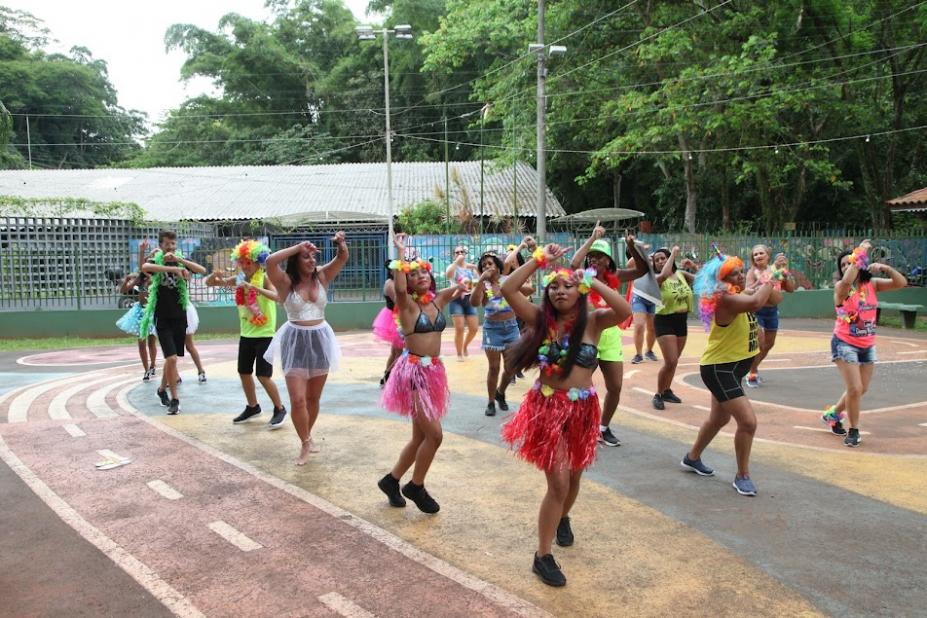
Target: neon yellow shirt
<point x="734" y="342"/>
<point x="676" y="295"/>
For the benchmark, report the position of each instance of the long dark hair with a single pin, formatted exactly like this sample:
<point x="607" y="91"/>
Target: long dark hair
<point x="292" y="270"/>
<point x="864" y="275"/>
<point x="524" y="354"/>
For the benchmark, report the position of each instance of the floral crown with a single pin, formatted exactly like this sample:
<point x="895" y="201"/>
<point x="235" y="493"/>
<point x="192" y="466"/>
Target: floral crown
<point x="410" y="266"/>
<point x="582" y="278"/>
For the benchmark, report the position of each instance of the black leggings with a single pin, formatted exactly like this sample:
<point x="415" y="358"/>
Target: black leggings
<point x="724" y="380"/>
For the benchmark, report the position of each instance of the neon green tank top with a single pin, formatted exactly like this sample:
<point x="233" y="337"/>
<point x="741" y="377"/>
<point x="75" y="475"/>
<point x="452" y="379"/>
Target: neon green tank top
<point x="732" y="343"/>
<point x="676" y="295"/>
<point x="260" y="323"/>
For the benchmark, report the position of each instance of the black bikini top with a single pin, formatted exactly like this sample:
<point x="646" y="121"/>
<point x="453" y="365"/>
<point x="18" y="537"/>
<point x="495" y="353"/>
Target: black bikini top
<point x="390" y="303"/>
<point x="423" y="323"/>
<point x="587" y="356"/>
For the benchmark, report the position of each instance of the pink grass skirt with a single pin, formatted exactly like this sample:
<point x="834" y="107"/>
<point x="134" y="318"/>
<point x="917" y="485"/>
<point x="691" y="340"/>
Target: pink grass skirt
<point x="544" y="421"/>
<point x="386" y="330"/>
<point x="419" y="379"/>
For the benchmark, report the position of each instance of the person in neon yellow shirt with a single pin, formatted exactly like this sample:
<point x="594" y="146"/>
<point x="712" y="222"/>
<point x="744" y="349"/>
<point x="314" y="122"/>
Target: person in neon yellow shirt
<point x="670" y="323"/>
<point x="255" y="297"/>
<point x="727" y="310"/>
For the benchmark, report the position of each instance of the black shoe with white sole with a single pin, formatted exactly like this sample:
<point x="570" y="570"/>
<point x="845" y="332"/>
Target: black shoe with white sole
<point x="248" y="413"/>
<point x="165" y="400"/>
<point x="852" y="440"/>
<point x="174" y="408"/>
<point x="276" y="421"/>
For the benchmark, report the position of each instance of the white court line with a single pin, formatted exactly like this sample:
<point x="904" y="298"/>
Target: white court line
<point x="922" y="425"/>
<point x="493" y="593"/>
<point x="233" y="536"/>
<point x="74" y="430"/>
<point x="703" y="408"/>
<point x="96" y="402"/>
<point x="19" y="406"/>
<point x="344" y="607"/>
<point x="58" y="407"/>
<point x="632" y="373"/>
<point x="862" y="433"/>
<point x="165" y="490"/>
<point x="140" y="572"/>
<point x="914" y="352"/>
<point x="25" y="361"/>
<point x="108" y="454"/>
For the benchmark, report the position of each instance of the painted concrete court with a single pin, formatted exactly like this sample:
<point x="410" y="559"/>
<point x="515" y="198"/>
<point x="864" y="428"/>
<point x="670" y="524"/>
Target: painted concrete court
<point x="211" y="518"/>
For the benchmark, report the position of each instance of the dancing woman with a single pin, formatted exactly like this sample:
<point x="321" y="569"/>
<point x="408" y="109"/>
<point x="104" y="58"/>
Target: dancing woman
<point x="670" y="324"/>
<point x="597" y="253"/>
<point x="417" y="385"/>
<point x="306" y="344"/>
<point x="137" y="284"/>
<point x="500" y="328"/>
<point x="727" y="311"/>
<point x="557" y="425"/>
<point x="853" y="344"/>
<point x="462" y="311"/>
<point x="767" y="318"/>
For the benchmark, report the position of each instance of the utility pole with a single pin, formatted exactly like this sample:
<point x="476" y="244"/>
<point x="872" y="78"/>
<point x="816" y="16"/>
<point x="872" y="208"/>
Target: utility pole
<point x="29" y="142"/>
<point x="389" y="146"/>
<point x="447" y="182"/>
<point x="541" y="132"/>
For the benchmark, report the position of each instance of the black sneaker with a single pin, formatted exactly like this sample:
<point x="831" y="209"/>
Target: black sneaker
<point x="276" y="421"/>
<point x="152" y="370"/>
<point x="179" y="379"/>
<point x="384" y="379"/>
<point x="670" y="396"/>
<point x="564" y="532"/>
<point x="500" y="399"/>
<point x="852" y="440"/>
<point x="548" y="570"/>
<point x="490" y="409"/>
<point x="651" y="356"/>
<point x="418" y="495"/>
<point x="520" y="374"/>
<point x="247" y="413"/>
<point x="165" y="400"/>
<point x="174" y="408"/>
<point x="838" y="429"/>
<point x="608" y="438"/>
<point x="657" y="402"/>
<point x="202" y="377"/>
<point x="147" y="375"/>
<point x="390" y="486"/>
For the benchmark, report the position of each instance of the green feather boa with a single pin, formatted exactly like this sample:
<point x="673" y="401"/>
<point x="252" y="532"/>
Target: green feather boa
<point x="148" y="317"/>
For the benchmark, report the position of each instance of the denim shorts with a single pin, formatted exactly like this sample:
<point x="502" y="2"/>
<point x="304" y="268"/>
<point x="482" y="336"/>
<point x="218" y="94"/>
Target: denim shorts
<point x="461" y="306"/>
<point x="642" y="305"/>
<point x="768" y="318"/>
<point x="499" y="335"/>
<point x="849" y="353"/>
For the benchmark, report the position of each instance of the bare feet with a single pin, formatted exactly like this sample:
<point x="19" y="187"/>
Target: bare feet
<point x="308" y="448"/>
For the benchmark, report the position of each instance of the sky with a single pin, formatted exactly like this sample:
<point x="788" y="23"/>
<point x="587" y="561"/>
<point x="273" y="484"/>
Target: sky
<point x="129" y="36"/>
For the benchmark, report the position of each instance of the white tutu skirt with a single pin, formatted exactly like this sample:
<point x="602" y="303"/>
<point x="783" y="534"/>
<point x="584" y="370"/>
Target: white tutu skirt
<point x="305" y="351"/>
<point x="193" y="319"/>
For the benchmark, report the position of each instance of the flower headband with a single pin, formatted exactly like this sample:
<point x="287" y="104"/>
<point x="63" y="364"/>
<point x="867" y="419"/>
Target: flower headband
<point x="250" y="250"/>
<point x="583" y="278"/>
<point x="410" y="266"/>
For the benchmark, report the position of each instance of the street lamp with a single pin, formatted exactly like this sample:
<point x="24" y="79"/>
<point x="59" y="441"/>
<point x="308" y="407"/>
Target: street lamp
<point x="368" y="33"/>
<point x="539" y="49"/>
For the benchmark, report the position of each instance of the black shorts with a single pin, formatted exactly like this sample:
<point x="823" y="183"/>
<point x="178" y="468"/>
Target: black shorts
<point x="251" y="350"/>
<point x="171" y="335"/>
<point x="672" y="324"/>
<point x="725" y="380"/>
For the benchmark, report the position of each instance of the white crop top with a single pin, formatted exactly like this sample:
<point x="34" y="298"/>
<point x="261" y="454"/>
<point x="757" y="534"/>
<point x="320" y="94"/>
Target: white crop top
<point x="300" y="310"/>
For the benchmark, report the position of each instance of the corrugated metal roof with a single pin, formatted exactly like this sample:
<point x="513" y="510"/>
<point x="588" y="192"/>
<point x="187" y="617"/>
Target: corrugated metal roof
<point x="911" y="199"/>
<point x="309" y="192"/>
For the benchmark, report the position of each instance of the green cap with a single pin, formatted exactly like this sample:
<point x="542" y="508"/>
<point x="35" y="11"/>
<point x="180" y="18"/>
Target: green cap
<point x="602" y="246"/>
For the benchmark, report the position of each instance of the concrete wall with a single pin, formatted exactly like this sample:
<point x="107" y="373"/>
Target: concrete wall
<point x="342" y="315"/>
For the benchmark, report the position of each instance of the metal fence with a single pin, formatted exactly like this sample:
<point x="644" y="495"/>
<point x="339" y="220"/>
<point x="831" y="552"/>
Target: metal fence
<point x="67" y="263"/>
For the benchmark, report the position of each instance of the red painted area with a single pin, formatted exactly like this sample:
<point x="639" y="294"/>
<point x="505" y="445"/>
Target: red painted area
<point x="306" y="553"/>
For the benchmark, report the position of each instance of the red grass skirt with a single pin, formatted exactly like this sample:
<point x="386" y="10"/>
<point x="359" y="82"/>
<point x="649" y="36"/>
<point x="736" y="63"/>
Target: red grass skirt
<point x="543" y="422"/>
<point x="421" y="378"/>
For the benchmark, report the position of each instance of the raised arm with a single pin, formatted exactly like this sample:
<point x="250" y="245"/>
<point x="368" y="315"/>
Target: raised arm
<point x="641" y="264"/>
<point x="842" y="287"/>
<point x="400" y="285"/>
<point x="732" y="304"/>
<point x="580" y="256"/>
<point x="781" y="263"/>
<point x="512" y="286"/>
<point x="275" y="260"/>
<point x="328" y="272"/>
<point x="896" y="281"/>
<point x="667" y="271"/>
<point x="479" y="288"/>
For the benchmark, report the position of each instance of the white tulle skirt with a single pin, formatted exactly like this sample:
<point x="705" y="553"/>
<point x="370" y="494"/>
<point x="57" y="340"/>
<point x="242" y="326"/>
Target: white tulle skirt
<point x="305" y="351"/>
<point x="193" y="319"/>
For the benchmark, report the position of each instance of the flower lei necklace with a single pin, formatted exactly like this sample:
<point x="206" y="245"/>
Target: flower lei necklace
<point x="552" y="354"/>
<point x="851" y="316"/>
<point x="423" y="299"/>
<point x="251" y="300"/>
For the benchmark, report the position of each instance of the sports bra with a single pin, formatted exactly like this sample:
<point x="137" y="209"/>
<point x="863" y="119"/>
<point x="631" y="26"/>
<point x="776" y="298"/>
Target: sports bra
<point x="588" y="356"/>
<point x="390" y="303"/>
<point x="423" y="323"/>
<point x="300" y="310"/>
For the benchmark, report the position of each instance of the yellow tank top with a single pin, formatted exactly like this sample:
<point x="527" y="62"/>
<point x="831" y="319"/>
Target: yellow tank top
<point x="248" y="328"/>
<point x="676" y="295"/>
<point x="734" y="342"/>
